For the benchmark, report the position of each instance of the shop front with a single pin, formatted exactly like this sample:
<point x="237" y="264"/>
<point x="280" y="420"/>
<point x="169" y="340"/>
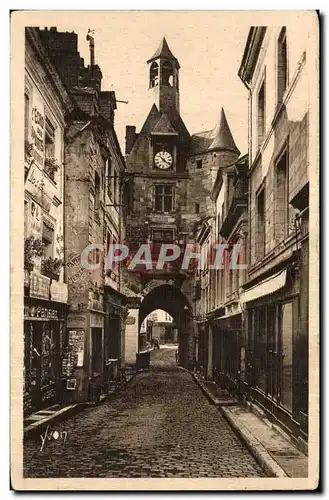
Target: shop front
<point x="203" y="347"/>
<point x="273" y="324"/>
<point x="43" y="345"/>
<point x="227" y="352"/>
<point x="44" y="319"/>
<point x="114" y="338"/>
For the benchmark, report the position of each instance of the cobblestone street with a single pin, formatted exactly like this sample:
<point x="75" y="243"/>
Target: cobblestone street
<point x="160" y="426"/>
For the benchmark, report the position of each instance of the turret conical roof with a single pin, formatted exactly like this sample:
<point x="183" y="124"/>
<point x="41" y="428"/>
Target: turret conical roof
<point x="164" y="52"/>
<point x="223" y="138"/>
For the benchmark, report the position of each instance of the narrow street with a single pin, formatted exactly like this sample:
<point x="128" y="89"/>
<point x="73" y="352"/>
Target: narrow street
<point x="160" y="426"/>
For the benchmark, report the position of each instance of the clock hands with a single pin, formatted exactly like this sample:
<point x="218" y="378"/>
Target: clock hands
<point x="163" y="159"/>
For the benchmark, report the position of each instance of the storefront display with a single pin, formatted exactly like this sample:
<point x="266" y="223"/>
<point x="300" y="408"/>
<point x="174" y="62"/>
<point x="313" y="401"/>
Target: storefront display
<point x="43" y="338"/>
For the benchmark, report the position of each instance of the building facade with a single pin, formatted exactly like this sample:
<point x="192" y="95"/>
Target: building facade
<point x="278" y="68"/>
<point x="157" y="165"/>
<point x="253" y="316"/>
<point x="47" y="104"/>
<point x="93" y="221"/>
<point x="171" y="176"/>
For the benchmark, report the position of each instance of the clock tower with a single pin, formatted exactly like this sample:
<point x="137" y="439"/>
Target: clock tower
<point x="170" y="181"/>
<point x="156" y="159"/>
<point x="164" y="78"/>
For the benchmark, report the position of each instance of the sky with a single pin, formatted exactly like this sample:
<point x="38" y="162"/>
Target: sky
<point x="208" y="44"/>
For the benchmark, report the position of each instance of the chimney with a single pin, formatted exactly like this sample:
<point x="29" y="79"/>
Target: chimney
<point x="91" y="41"/>
<point x="130" y="138"/>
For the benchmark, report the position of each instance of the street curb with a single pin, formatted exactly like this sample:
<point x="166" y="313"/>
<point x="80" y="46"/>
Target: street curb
<point x="69" y="411"/>
<point x="57" y="417"/>
<point x="206" y="391"/>
<point x="257" y="450"/>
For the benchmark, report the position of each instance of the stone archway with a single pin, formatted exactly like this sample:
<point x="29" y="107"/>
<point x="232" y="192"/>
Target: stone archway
<point x="170" y="298"/>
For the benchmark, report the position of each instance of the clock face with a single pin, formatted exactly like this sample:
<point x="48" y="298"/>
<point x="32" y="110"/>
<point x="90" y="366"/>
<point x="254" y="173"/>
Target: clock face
<point x="163" y="160"/>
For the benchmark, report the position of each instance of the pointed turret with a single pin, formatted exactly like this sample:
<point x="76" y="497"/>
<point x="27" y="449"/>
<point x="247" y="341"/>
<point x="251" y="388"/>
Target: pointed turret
<point x="164" y="75"/>
<point x="223" y="139"/>
<point x="163" y="52"/>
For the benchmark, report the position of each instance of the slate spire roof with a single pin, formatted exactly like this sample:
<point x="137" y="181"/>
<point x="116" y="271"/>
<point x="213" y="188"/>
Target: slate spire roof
<point x="223" y="138"/>
<point x="164" y="52"/>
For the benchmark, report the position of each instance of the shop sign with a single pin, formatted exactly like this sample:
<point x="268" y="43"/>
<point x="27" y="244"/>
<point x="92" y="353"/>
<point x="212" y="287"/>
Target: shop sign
<point x="35" y="182"/>
<point x="74" y="355"/>
<point x="96" y="320"/>
<point x="130" y="320"/>
<point x="37" y="312"/>
<point x="75" y="321"/>
<point x="38" y="132"/>
<point x="35" y="185"/>
<point x="58" y="292"/>
<point x="39" y="286"/>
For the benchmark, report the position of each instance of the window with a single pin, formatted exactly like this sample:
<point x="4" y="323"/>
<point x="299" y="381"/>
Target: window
<point x="282" y="198"/>
<point x="49" y="140"/>
<point x="154" y="75"/>
<point x="260" y="335"/>
<point x="261" y="114"/>
<point x="97" y="193"/>
<point x="282" y="75"/>
<point x="26" y="116"/>
<point x="167" y="74"/>
<point x="197" y="208"/>
<point x="47" y="240"/>
<point x="164" y="198"/>
<point x="260" y="235"/>
<point x="199" y="164"/>
<point x="50" y="165"/>
<point x="218" y="227"/>
<point x="97" y="351"/>
<point x="109" y="174"/>
<point x="286" y="327"/>
<point x="162" y="235"/>
<point x="108" y="241"/>
<point x="115" y="187"/>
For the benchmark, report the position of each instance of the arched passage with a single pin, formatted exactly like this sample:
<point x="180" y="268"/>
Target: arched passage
<point x="171" y="299"/>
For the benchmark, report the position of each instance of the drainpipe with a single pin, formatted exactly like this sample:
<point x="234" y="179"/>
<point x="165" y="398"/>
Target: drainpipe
<point x="246" y="369"/>
<point x="249" y="154"/>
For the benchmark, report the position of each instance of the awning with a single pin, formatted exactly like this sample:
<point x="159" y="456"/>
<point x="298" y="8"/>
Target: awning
<point x="266" y="287"/>
<point x="226" y="316"/>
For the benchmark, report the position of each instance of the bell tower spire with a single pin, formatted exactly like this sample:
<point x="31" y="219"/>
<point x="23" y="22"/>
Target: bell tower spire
<point x="164" y="78"/>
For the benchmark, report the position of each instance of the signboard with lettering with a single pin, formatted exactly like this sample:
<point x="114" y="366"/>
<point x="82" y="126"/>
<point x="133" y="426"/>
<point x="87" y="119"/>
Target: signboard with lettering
<point x="76" y="320"/>
<point x="38" y="130"/>
<point x="58" y="291"/>
<point x="96" y="320"/>
<point x="74" y="356"/>
<point x="39" y="286"/>
<point x="33" y="219"/>
<point x="35" y="185"/>
<point x="37" y="312"/>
